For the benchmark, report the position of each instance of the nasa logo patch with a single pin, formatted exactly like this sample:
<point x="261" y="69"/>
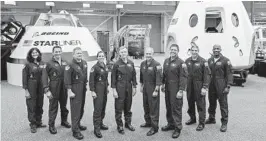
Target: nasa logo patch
<point x="102" y="70"/>
<point x="78" y="67"/>
<point x="85" y="66"/>
<point x="67" y="67"/>
<point x="129" y="65"/>
<point x="189" y="63"/>
<point x="197" y="64"/>
<point x="206" y="64"/>
<point x="173" y="65"/>
<point x="56" y="64"/>
<point x="92" y="69"/>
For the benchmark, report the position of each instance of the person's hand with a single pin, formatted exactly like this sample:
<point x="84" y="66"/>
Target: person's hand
<point x="70" y="93"/>
<point x="204" y="91"/>
<point x="141" y="88"/>
<point x="134" y="91"/>
<point x="156" y="91"/>
<point x="115" y="93"/>
<point x="163" y="88"/>
<point x="226" y="90"/>
<point x="27" y="94"/>
<point x="179" y="94"/>
<point x="93" y="94"/>
<point x="49" y="95"/>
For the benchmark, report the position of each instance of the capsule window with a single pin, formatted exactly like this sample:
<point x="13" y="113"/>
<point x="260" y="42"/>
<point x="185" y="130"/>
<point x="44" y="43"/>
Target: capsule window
<point x="236" y="41"/>
<point x="235" y="20"/>
<point x="193" y="20"/>
<point x="214" y="20"/>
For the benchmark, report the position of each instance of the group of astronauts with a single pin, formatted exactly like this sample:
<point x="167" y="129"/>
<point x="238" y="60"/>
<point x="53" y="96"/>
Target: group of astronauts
<point x="59" y="80"/>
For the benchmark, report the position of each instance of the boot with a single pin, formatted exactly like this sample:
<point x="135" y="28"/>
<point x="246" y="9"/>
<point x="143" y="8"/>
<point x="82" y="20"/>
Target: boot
<point x="52" y="130"/>
<point x="176" y="133"/>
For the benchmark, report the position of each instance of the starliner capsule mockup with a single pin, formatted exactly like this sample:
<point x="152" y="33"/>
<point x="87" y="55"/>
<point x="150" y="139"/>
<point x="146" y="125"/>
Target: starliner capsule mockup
<point x="215" y="22"/>
<point x="46" y="31"/>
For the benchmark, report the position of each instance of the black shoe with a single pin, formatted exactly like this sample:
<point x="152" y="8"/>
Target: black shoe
<point x="145" y="125"/>
<point x="52" y="130"/>
<point x="168" y="128"/>
<point x="152" y="132"/>
<point x="104" y="127"/>
<point x="120" y="130"/>
<point x="65" y="124"/>
<point x="78" y="135"/>
<point x="98" y="134"/>
<point x="33" y="128"/>
<point x="210" y="121"/>
<point x="191" y="121"/>
<point x="82" y="128"/>
<point x="130" y="127"/>
<point x="200" y="127"/>
<point x="40" y="125"/>
<point x="223" y="128"/>
<point x="176" y="133"/>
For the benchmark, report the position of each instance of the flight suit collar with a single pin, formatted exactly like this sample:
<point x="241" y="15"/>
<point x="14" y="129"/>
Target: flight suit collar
<point x="220" y="58"/>
<point x="60" y="61"/>
<point x="123" y="61"/>
<point x="100" y="65"/>
<point x="146" y="62"/>
<point x="76" y="62"/>
<point x="176" y="58"/>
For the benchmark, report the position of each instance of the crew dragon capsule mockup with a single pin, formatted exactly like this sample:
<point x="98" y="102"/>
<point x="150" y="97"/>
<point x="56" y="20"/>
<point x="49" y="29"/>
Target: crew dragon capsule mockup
<point x="49" y="30"/>
<point x="215" y="22"/>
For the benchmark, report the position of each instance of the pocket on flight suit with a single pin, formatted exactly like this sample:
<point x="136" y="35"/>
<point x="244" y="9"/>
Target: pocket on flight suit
<point x="32" y="88"/>
<point x="54" y="88"/>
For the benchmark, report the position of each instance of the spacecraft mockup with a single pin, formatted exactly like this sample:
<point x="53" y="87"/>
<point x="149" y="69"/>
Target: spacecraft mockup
<point x="49" y="30"/>
<point x="215" y="22"/>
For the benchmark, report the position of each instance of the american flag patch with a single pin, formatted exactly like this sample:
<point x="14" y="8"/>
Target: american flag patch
<point x="27" y="43"/>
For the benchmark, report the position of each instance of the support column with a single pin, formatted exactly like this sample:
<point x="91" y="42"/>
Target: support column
<point x="252" y="12"/>
<point x="164" y="28"/>
<point x="118" y="19"/>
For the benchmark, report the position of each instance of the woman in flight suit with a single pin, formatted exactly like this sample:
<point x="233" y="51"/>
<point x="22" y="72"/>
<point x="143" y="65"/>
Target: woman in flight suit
<point x="98" y="82"/>
<point x="31" y="79"/>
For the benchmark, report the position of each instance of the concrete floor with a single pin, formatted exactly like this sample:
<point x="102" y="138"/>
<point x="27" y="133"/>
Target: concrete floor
<point x="247" y="116"/>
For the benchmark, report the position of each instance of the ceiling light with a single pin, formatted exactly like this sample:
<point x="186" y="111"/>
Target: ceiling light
<point x="86" y="5"/>
<point x="49" y="4"/>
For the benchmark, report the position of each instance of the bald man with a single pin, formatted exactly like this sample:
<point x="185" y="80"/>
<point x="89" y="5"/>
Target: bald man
<point x="150" y="79"/>
<point x="221" y="78"/>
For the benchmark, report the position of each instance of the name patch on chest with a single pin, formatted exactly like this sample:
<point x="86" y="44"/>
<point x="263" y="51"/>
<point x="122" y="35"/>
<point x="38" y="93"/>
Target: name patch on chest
<point x="64" y="63"/>
<point x="197" y="64"/>
<point x="129" y="65"/>
<point x="173" y="65"/>
<point x="219" y="63"/>
<point x="150" y="68"/>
